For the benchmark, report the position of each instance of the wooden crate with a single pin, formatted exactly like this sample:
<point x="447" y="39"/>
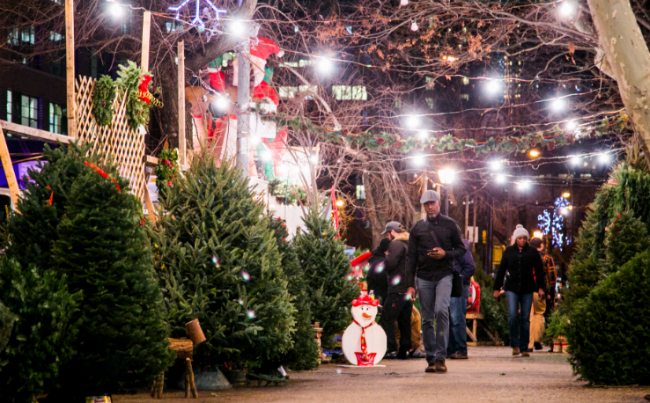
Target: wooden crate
<point x="119" y="143"/>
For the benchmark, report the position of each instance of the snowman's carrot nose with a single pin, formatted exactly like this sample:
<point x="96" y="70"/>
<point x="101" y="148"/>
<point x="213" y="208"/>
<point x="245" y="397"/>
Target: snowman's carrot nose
<point x="365" y="315"/>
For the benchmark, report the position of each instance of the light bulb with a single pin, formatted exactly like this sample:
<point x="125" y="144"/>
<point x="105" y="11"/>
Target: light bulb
<point x="566" y="195"/>
<point x="495" y="165"/>
<point x="412" y="122"/>
<point x="571" y="125"/>
<point x="314" y="159"/>
<point x="419" y="160"/>
<point x="604" y="158"/>
<point x="524" y="185"/>
<point x="255" y="140"/>
<point x="237" y="27"/>
<point x="501" y="179"/>
<point x="266" y="155"/>
<point x="558" y="104"/>
<point x="325" y="65"/>
<point x="414" y="26"/>
<point x="533" y="153"/>
<point x="116" y="9"/>
<point x="403" y="3"/>
<point x="423" y="135"/>
<point x="493" y="87"/>
<point x="221" y="103"/>
<point x="575" y="160"/>
<point x="339" y="203"/>
<point x="537" y="234"/>
<point x="567" y="9"/>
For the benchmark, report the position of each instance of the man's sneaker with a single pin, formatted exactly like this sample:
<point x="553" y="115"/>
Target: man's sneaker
<point x="391" y="356"/>
<point x="515" y="351"/>
<point x="430" y="368"/>
<point x="418" y="354"/>
<point x="525" y="354"/>
<point x="402" y="355"/>
<point x="458" y="356"/>
<point x="440" y="367"/>
<point x="538" y="345"/>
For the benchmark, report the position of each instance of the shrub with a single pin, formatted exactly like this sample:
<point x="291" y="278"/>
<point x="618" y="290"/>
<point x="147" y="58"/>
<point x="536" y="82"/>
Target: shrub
<point x="607" y="334"/>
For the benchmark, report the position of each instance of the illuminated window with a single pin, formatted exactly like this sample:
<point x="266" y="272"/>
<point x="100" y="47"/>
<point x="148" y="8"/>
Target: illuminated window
<point x="55" y="36"/>
<point x="290" y="92"/>
<point x="56" y="117"/>
<point x="361" y="192"/>
<point x="10" y="106"/>
<point x="349" y="93"/>
<point x="29" y="111"/>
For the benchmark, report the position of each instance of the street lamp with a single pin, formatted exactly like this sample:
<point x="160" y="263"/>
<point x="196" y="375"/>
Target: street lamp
<point x="604" y="158"/>
<point x="537" y="234"/>
<point x="566" y="195"/>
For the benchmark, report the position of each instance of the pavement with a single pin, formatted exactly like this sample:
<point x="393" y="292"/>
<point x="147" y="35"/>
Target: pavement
<point x="490" y="375"/>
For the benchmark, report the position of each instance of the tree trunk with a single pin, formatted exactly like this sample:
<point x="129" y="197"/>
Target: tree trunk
<point x="627" y="54"/>
<point x="376" y="226"/>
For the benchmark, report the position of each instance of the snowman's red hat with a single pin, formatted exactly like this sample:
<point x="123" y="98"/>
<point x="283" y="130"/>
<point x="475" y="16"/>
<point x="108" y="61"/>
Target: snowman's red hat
<point x="365" y="300"/>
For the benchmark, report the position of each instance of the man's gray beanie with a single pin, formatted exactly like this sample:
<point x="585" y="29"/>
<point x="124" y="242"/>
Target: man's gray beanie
<point x="430" y="196"/>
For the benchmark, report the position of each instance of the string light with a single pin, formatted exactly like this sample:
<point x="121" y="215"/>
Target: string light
<point x="423" y="135"/>
<point x="495" y="165"/>
<point x="558" y="104"/>
<point x="493" y="86"/>
<point x="419" y="160"/>
<point x="446" y="175"/>
<point x="325" y="66"/>
<point x="604" y="158"/>
<point x="571" y="125"/>
<point x="501" y="179"/>
<point x="221" y="103"/>
<point x="524" y="185"/>
<point x="533" y="153"/>
<point x="414" y="26"/>
<point x="340" y="203"/>
<point x="403" y="3"/>
<point x="575" y="160"/>
<point x="412" y="122"/>
<point x="237" y="27"/>
<point x="566" y="195"/>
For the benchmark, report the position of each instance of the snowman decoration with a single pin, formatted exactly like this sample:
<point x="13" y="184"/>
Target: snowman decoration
<point x="364" y="341"/>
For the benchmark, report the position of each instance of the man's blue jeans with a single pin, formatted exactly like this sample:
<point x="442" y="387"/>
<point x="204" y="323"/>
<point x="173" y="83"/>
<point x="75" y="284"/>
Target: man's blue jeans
<point x="519" y="319"/>
<point x="435" y="297"/>
<point x="458" y="324"/>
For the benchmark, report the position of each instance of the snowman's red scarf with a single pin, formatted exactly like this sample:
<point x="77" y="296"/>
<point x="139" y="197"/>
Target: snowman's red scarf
<point x="364" y="346"/>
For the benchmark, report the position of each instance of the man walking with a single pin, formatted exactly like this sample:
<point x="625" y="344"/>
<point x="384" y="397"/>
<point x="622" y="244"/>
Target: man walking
<point x="433" y="245"/>
<point x="465" y="266"/>
<point x="398" y="305"/>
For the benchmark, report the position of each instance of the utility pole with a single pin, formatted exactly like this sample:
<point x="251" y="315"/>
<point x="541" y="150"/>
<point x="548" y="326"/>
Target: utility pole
<point x="243" y="100"/>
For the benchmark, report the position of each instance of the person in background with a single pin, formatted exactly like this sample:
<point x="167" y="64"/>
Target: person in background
<point x="398" y="305"/>
<point x="457" y="347"/>
<point x="376" y="277"/>
<point x="417" y="349"/>
<point x="434" y="244"/>
<point x="540" y="304"/>
<point x="521" y="261"/>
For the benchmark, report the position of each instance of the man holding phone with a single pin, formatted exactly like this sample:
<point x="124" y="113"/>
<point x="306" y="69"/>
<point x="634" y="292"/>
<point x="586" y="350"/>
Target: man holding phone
<point x="434" y="243"/>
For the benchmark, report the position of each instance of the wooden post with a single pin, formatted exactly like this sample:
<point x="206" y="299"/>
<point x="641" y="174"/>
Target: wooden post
<point x="69" y="66"/>
<point x="146" y="32"/>
<point x="190" y="386"/>
<point x="147" y="201"/>
<point x="9" y="170"/>
<point x="466" y="213"/>
<point x="425" y="186"/>
<point x="182" y="147"/>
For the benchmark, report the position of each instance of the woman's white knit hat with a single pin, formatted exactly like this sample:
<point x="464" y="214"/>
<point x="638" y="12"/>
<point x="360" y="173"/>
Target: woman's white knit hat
<point x="519" y="231"/>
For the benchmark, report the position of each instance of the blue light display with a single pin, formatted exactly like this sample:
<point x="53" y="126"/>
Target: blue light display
<point x="552" y="223"/>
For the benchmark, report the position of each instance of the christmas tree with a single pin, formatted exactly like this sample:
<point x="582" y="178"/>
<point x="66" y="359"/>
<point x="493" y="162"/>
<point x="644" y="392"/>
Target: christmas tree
<point x="327" y="272"/>
<point x="607" y="334"/>
<point x="79" y="221"/>
<point x="304" y="353"/>
<point x="39" y="335"/>
<point x="217" y="260"/>
<point x="626" y="237"/>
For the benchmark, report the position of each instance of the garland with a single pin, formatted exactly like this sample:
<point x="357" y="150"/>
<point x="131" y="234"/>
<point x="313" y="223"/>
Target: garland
<point x="503" y="144"/>
<point x="167" y="168"/>
<point x="103" y="96"/>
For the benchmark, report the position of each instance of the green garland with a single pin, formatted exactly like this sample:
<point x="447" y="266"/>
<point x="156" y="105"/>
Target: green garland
<point x="137" y="111"/>
<point x="503" y="144"/>
<point x="103" y="96"/>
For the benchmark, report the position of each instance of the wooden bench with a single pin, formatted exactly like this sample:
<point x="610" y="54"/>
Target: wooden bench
<point x="472" y="334"/>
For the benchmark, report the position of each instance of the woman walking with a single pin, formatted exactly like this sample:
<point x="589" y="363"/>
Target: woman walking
<point x="523" y="264"/>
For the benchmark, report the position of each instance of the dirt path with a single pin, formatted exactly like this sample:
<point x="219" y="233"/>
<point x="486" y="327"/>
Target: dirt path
<point x="490" y="375"/>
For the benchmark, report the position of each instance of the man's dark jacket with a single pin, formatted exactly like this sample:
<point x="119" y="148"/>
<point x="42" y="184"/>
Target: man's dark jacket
<point x="376" y="277"/>
<point x="421" y="242"/>
<point x="465" y="265"/>
<point x="399" y="279"/>
<point x="521" y="266"/>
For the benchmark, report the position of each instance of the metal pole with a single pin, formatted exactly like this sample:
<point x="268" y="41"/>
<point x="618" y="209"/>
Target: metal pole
<point x="508" y="215"/>
<point x="182" y="141"/>
<point x="475" y="237"/>
<point x="446" y="201"/>
<point x="425" y="186"/>
<point x="243" y="99"/>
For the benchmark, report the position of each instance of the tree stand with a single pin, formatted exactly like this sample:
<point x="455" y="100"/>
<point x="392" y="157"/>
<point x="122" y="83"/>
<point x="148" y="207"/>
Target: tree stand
<point x="184" y="349"/>
<point x="190" y="387"/>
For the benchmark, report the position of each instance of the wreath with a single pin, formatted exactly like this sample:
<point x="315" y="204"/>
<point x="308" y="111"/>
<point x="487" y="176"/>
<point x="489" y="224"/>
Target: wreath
<point x="135" y="83"/>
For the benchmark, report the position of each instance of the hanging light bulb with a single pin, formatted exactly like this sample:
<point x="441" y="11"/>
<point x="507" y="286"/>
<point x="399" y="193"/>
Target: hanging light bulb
<point x="558" y="104"/>
<point x="414" y="26"/>
<point x="404" y="3"/>
<point x="116" y="9"/>
<point x="571" y="125"/>
<point x="493" y="87"/>
<point x="325" y="65"/>
<point x="567" y="9"/>
<point x="495" y="165"/>
<point x="501" y="179"/>
<point x="419" y="160"/>
<point x="412" y="122"/>
<point x="423" y="135"/>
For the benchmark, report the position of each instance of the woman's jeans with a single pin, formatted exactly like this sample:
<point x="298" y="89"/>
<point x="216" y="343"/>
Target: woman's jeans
<point x="519" y="319"/>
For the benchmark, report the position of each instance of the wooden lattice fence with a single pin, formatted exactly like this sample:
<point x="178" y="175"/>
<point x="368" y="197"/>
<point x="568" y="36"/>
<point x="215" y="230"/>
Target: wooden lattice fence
<point x="118" y="142"/>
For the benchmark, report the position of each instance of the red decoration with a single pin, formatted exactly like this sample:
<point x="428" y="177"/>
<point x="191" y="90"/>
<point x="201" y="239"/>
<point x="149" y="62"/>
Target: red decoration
<point x="265" y="90"/>
<point x="103" y="174"/>
<point x="363" y="358"/>
<point x="265" y="48"/>
<point x="51" y="196"/>
<point x="144" y="87"/>
<point x="365" y="300"/>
